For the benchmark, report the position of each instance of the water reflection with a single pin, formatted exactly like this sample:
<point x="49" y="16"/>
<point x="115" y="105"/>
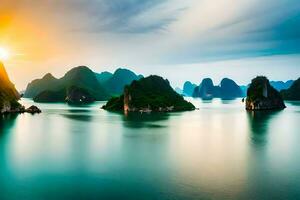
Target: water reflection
<point x="206" y="100"/>
<point x="78" y="115"/>
<point x="294" y="103"/>
<point x="228" y="100"/>
<point x="259" y="122"/>
<point x="7" y="122"/>
<point x="138" y="120"/>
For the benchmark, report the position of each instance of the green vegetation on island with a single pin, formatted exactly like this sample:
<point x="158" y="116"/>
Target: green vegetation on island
<point x="148" y="94"/>
<point x="79" y="85"/>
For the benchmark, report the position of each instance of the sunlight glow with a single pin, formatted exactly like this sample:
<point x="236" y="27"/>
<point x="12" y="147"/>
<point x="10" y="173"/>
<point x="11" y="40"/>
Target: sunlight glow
<point x="4" y="54"/>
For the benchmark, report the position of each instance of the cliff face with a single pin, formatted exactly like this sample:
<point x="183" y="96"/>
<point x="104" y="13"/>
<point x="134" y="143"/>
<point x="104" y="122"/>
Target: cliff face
<point x="148" y="94"/>
<point x="8" y="94"/>
<point x="262" y="96"/>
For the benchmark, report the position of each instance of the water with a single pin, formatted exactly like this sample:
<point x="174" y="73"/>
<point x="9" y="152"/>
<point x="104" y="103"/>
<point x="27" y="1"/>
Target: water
<point x="217" y="152"/>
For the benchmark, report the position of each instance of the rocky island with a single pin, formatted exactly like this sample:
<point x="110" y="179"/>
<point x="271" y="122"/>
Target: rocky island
<point x="149" y="94"/>
<point x="227" y="89"/>
<point x="9" y="96"/>
<point x="262" y="96"/>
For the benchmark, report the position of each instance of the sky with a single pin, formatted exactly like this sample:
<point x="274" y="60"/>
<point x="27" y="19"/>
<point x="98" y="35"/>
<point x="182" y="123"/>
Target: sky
<point x="177" y="39"/>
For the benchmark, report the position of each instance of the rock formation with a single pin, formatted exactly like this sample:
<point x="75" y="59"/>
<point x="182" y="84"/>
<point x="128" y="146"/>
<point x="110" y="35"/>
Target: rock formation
<point x="9" y="96"/>
<point x="33" y="109"/>
<point x="262" y="96"/>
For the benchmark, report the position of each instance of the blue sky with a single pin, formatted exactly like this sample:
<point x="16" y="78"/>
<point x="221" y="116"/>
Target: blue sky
<point x="181" y="40"/>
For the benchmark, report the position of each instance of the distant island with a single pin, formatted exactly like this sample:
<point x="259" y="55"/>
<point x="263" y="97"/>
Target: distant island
<point x="188" y="89"/>
<point x="262" y="96"/>
<point x="80" y="85"/>
<point x="152" y="93"/>
<point x="227" y="89"/>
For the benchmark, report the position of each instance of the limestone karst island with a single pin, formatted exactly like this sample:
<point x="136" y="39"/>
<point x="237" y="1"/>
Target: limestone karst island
<point x="149" y="100"/>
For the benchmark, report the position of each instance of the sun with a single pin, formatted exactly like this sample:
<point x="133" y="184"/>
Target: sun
<point x="4" y="54"/>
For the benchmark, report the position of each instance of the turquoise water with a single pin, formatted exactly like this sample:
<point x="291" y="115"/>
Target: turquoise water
<point x="217" y="152"/>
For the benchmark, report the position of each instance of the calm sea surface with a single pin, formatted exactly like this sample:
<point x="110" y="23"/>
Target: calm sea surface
<point x="217" y="152"/>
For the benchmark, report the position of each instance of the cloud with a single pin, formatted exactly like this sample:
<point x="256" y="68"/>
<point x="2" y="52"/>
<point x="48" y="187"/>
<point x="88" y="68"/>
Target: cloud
<point x="244" y="29"/>
<point x="117" y="16"/>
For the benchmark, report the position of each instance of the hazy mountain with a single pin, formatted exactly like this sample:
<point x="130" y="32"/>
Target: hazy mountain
<point x="188" y="88"/>
<point x="293" y="92"/>
<point x="79" y="85"/>
<point x="8" y="94"/>
<point x="121" y="77"/>
<point x="229" y="89"/>
<point x="48" y="82"/>
<point x="152" y="93"/>
<point x="206" y="90"/>
<point x="280" y="85"/>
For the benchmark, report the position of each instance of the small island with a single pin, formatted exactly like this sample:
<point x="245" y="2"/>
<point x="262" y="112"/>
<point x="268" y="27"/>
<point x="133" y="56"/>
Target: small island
<point x="262" y="96"/>
<point x="150" y="94"/>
